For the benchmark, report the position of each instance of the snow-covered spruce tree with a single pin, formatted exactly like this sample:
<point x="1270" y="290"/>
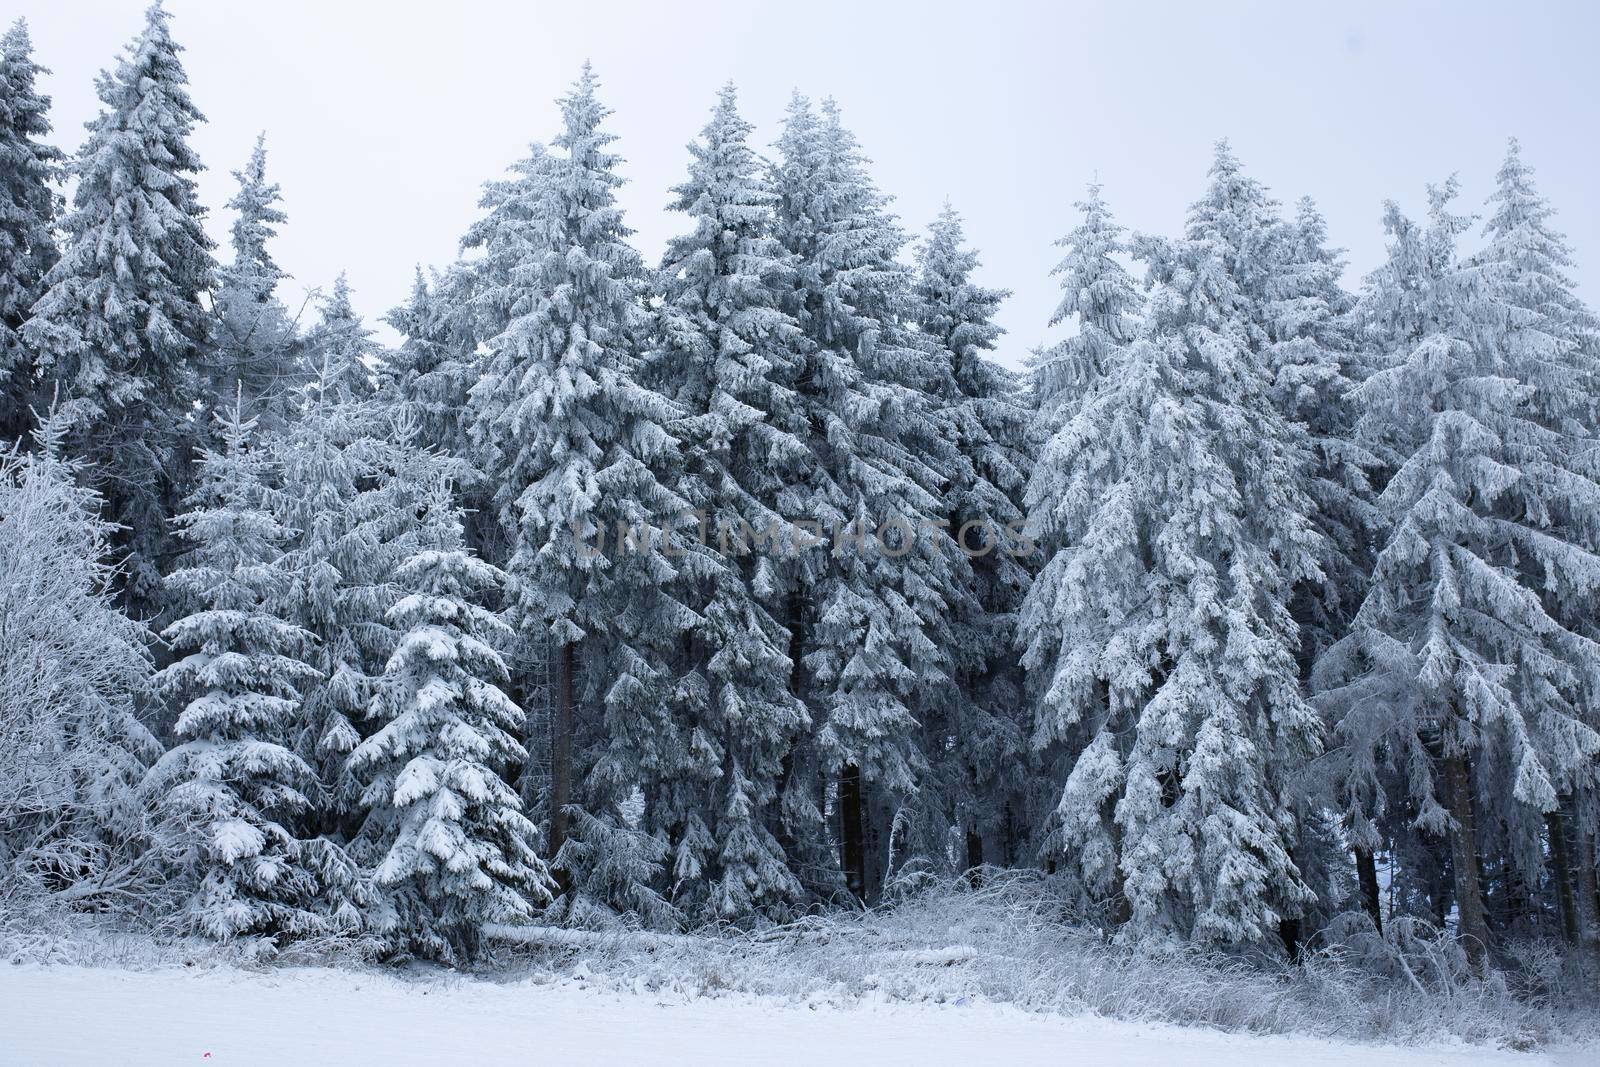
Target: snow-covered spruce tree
<point x="120" y="326"/>
<point x="234" y="789"/>
<point x="73" y="670"/>
<point x="1104" y="304"/>
<point x="344" y="344"/>
<point x="340" y="488"/>
<point x="1314" y="360"/>
<point x="255" y="350"/>
<point x="579" y="447"/>
<point x="1279" y="282"/>
<point x="1463" y="666"/>
<point x="727" y="355"/>
<point x="980" y="774"/>
<point x="451" y="847"/>
<point x="28" y="206"/>
<point x="1314" y="363"/>
<point x="1160" y="632"/>
<point x="868" y="623"/>
<point x="1527" y="265"/>
<point x="1103" y="300"/>
<point x="430" y="374"/>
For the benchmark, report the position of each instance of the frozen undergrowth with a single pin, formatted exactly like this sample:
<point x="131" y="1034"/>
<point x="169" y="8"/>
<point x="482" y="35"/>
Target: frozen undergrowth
<point x="949" y="943"/>
<point x="1006" y="942"/>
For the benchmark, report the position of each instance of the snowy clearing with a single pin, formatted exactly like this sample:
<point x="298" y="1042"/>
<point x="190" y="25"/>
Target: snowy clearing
<point x="66" y="1015"/>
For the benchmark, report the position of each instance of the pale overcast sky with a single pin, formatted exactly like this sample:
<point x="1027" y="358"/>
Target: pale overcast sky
<point x="383" y="119"/>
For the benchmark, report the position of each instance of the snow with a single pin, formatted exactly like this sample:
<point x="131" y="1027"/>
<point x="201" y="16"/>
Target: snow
<point x="63" y="1016"/>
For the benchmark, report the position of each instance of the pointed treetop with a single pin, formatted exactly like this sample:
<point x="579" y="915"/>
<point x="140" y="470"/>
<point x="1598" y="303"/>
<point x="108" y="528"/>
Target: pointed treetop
<point x="1518" y="202"/>
<point x="259" y="217"/>
<point x="1224" y="164"/>
<point x="16" y="41"/>
<point x="581" y="114"/>
<point x="155" y="48"/>
<point x="337" y="305"/>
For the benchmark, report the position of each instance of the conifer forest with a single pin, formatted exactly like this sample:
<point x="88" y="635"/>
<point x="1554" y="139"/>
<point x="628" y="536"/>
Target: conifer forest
<point x="712" y="614"/>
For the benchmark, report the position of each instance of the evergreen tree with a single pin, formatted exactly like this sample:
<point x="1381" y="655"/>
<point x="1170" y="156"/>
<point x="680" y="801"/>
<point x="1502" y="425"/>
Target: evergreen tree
<point x="344" y="487"/>
<point x="982" y="770"/>
<point x="255" y="350"/>
<point x="1313" y="360"/>
<point x="1527" y="265"/>
<point x="1160" y="628"/>
<point x="233" y="782"/>
<point x="345" y="346"/>
<point x="453" y="849"/>
<point x="728" y="357"/>
<point x="869" y="620"/>
<point x="120" y="327"/>
<point x="28" y="205"/>
<point x="579" y="447"/>
<point x="1489" y="550"/>
<point x="1105" y="303"/>
<point x="1102" y="297"/>
<point x="431" y="372"/>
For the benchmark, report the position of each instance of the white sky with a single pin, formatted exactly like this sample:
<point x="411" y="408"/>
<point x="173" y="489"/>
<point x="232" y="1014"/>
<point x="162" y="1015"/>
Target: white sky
<point x="383" y="119"/>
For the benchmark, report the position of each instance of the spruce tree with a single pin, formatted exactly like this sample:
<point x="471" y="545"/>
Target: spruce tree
<point x="869" y="620"/>
<point x="1468" y="633"/>
<point x="1104" y="303"/>
<point x="430" y="374"/>
<point x="1103" y="300"/>
<point x="1315" y="364"/>
<point x="345" y="346"/>
<point x="121" y="325"/>
<point x="981" y="775"/>
<point x="233" y="782"/>
<point x="451" y="847"/>
<point x="255" y="352"/>
<point x="1160" y="629"/>
<point x="344" y="486"/>
<point x="728" y="356"/>
<point x="28" y="206"/>
<point x="1314" y="360"/>
<point x="1528" y="265"/>
<point x="579" y="447"/>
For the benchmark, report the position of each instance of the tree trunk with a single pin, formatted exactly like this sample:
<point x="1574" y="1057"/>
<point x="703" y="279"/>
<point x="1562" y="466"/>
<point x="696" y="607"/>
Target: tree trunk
<point x="1588" y="896"/>
<point x="561" y="758"/>
<point x="1367" y="876"/>
<point x="778" y="823"/>
<point x="884" y="852"/>
<point x="1290" y="933"/>
<point x="1472" y="928"/>
<point x="1561" y="873"/>
<point x="852" y="850"/>
<point x="974" y="857"/>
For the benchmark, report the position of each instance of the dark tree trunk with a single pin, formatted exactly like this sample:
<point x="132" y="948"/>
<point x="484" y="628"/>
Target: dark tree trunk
<point x="1561" y="874"/>
<point x="1367" y="876"/>
<point x="779" y="825"/>
<point x="852" y="849"/>
<point x="1473" y="926"/>
<point x="974" y="857"/>
<point x="561" y="757"/>
<point x="1290" y="932"/>
<point x="1588" y="893"/>
<point x="798" y="636"/>
<point x="883" y="851"/>
<point x="1518" y="903"/>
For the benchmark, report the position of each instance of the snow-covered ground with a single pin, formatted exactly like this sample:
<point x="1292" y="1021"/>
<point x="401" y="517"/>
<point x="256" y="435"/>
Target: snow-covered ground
<point x="59" y="1016"/>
